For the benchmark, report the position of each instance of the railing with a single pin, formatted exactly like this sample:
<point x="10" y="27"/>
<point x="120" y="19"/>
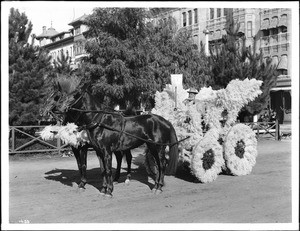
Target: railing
<point x="23" y="139"/>
<point x="276" y="39"/>
<point x="264" y="128"/>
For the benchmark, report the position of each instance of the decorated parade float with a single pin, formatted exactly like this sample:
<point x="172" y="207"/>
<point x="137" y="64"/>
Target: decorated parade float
<point x="217" y="142"/>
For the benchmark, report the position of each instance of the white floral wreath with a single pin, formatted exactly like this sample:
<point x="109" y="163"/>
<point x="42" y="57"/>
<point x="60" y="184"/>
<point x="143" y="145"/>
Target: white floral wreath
<point x="240" y="150"/>
<point x="203" y="152"/>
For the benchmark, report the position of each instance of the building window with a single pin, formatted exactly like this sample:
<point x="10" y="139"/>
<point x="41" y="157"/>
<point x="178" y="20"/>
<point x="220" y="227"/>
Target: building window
<point x="225" y="11"/>
<point x="218" y="12"/>
<point x="195" y="16"/>
<point x="184" y="19"/>
<point x="77" y="31"/>
<point x="249" y="29"/>
<point x="212" y="10"/>
<point x="190" y="17"/>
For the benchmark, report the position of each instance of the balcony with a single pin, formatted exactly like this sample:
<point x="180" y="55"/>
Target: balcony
<point x="276" y="39"/>
<point x="273" y="18"/>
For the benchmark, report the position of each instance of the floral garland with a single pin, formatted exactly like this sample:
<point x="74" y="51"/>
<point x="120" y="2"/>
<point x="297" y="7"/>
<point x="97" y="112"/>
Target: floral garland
<point x="240" y="150"/>
<point x="68" y="134"/>
<point x="218" y="111"/>
<point x="49" y="132"/>
<point x="207" y="159"/>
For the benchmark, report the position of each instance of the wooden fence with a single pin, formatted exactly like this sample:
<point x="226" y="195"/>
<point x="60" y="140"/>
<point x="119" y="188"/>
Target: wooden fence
<point x="265" y="128"/>
<point x="23" y="139"/>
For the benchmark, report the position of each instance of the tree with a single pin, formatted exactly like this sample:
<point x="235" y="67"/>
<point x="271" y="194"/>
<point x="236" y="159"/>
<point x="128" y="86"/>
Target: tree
<point x="131" y="58"/>
<point x="232" y="59"/>
<point x="176" y="53"/>
<point x="27" y="66"/>
<point x="63" y="64"/>
<point x="117" y="47"/>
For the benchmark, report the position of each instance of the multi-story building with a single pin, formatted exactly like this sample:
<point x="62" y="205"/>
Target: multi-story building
<point x="269" y="29"/>
<point x="70" y="43"/>
<point x="275" y="28"/>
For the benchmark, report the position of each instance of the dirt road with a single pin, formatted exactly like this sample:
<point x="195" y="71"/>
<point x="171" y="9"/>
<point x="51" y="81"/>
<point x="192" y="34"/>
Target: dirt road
<point x="44" y="190"/>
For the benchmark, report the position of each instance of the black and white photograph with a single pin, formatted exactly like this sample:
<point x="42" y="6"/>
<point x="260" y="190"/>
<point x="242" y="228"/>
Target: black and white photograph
<point x="151" y="115"/>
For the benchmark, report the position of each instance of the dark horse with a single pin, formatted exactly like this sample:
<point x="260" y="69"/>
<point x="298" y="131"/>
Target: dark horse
<point x="110" y="132"/>
<point x="80" y="152"/>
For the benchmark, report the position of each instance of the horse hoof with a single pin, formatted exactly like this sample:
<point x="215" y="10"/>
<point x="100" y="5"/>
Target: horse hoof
<point x="108" y="195"/>
<point x="158" y="191"/>
<point x="102" y="192"/>
<point x="81" y="187"/>
<point x="127" y="181"/>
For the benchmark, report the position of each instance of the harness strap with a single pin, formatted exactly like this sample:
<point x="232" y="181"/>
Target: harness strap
<point x="94" y="125"/>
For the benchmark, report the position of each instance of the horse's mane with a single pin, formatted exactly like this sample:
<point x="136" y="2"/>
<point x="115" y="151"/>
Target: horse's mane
<point x="69" y="84"/>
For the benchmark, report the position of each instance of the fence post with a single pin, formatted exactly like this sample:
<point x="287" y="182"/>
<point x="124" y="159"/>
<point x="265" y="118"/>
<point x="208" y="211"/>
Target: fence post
<point x="58" y="145"/>
<point x="277" y="130"/>
<point x="13" y="139"/>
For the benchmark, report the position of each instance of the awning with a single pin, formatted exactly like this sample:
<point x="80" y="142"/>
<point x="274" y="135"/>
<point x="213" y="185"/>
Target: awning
<point x="281" y="89"/>
<point x="283" y="62"/>
<point x="275" y="60"/>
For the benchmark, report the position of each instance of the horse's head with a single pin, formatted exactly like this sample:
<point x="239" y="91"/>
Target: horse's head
<point x="63" y="95"/>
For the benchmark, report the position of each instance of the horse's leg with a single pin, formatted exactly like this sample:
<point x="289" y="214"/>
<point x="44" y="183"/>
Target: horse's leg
<point x="163" y="163"/>
<point x="83" y="157"/>
<point x="128" y="159"/>
<point x="103" y="172"/>
<point x="155" y="152"/>
<point x="108" y="172"/>
<point x="119" y="156"/>
<point x="78" y="153"/>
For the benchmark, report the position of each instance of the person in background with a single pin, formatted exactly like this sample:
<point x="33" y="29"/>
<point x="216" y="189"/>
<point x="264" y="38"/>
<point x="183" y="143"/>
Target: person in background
<point x="191" y="99"/>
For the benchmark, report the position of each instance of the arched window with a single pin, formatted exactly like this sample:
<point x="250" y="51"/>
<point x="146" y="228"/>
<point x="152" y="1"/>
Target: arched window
<point x="249" y="29"/>
<point x="184" y="19"/>
<point x="283" y="63"/>
<point x="275" y="60"/>
<point x="274" y="22"/>
<point x="265" y="24"/>
<point x="190" y="17"/>
<point x="283" y="20"/>
<point x="212" y="11"/>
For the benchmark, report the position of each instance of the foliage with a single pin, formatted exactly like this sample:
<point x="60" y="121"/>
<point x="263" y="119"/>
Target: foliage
<point x="176" y="53"/>
<point x="131" y="58"/>
<point x="232" y="59"/>
<point x="118" y="54"/>
<point x="27" y="67"/>
<point x="63" y="64"/>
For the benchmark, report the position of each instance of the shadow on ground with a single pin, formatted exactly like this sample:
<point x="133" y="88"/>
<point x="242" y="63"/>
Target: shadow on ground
<point x="69" y="177"/>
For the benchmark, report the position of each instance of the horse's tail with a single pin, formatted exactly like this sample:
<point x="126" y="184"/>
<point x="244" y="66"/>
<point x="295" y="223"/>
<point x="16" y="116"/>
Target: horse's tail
<point x="173" y="154"/>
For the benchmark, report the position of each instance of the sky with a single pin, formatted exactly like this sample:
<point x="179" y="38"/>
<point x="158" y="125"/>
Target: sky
<point x="59" y="14"/>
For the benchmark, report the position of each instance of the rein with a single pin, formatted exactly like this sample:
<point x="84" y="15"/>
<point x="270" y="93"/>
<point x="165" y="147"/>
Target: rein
<point x="95" y="111"/>
<point x="129" y="134"/>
